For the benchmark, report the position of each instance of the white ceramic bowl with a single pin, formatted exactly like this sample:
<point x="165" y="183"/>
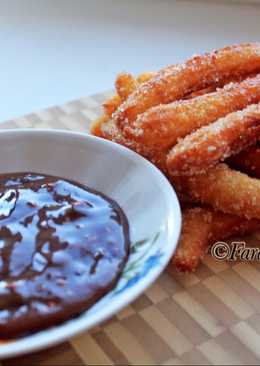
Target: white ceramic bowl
<point x="141" y="190"/>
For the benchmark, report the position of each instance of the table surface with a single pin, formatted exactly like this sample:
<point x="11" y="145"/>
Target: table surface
<point x="209" y="317"/>
<point x="56" y="51"/>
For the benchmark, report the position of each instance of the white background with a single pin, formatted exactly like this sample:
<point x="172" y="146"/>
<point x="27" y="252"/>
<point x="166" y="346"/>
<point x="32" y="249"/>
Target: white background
<point x="56" y="50"/>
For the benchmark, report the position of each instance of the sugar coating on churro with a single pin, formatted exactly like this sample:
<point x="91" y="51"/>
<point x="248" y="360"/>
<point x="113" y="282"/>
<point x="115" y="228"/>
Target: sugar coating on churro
<point x="224" y="189"/>
<point x="202" y="149"/>
<point x="164" y="124"/>
<point x="201" y="228"/>
<point x="196" y="225"/>
<point x="111" y="132"/>
<point x="110" y="105"/>
<point x="177" y="81"/>
<point x="125" y="85"/>
<point x="247" y="161"/>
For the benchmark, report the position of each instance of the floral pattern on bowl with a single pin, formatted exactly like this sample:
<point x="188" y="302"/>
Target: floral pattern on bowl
<point x="141" y="261"/>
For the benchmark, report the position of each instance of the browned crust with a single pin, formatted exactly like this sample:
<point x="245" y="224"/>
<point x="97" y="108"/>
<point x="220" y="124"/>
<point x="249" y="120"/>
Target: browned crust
<point x="201" y="228"/>
<point x="177" y="81"/>
<point x="204" y="148"/>
<point x="224" y="189"/>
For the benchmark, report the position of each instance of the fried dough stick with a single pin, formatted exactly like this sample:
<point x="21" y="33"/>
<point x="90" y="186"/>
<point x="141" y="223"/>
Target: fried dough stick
<point x="163" y="125"/>
<point x="204" y="148"/>
<point x="96" y="127"/>
<point x="125" y="84"/>
<point x="110" y="105"/>
<point x="224" y="189"/>
<point x="247" y="161"/>
<point x="202" y="227"/>
<point x="177" y="81"/>
<point x="106" y="128"/>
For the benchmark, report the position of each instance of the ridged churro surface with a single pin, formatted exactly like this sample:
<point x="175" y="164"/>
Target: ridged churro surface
<point x="248" y="161"/>
<point x="201" y="228"/>
<point x="177" y="81"/>
<point x="163" y="125"/>
<point x="204" y="148"/>
<point x="226" y="190"/>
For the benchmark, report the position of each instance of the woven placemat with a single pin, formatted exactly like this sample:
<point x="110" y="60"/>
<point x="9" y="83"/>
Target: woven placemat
<point x="210" y="317"/>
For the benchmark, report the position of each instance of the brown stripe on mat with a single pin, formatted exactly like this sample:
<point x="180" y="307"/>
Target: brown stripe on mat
<point x="254" y="322"/>
<point x="185" y="280"/>
<point x="230" y="298"/>
<point x="230" y="343"/>
<point x="146" y="336"/>
<point x="110" y="348"/>
<point x="221" y="312"/>
<point x="199" y="313"/>
<point x="248" y="273"/>
<point x="242" y="287"/>
<point x="215" y="266"/>
<point x="248" y="336"/>
<point x="125" y="313"/>
<point x="203" y="272"/>
<point x="166" y="330"/>
<point x="156" y="293"/>
<point x="216" y="354"/>
<point x="195" y="357"/>
<point x="129" y="345"/>
<point x="168" y="283"/>
<point x="89" y="351"/>
<point x="141" y="303"/>
<point x="183" y="321"/>
<point x="256" y="265"/>
<point x="62" y="355"/>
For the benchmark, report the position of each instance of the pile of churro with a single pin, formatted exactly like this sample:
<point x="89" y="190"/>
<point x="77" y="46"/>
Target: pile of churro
<point x="199" y="122"/>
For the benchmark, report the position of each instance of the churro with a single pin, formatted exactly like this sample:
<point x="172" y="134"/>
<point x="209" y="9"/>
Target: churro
<point x="202" y="227"/>
<point x="163" y="125"/>
<point x="125" y="85"/>
<point x="177" y="81"/>
<point x="247" y="161"/>
<point x="109" y="130"/>
<point x="96" y="127"/>
<point x="110" y="105"/>
<point x="224" y="189"/>
<point x="204" y="148"/>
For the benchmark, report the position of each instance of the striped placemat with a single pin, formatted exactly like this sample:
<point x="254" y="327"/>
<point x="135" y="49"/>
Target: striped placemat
<point x="210" y="317"/>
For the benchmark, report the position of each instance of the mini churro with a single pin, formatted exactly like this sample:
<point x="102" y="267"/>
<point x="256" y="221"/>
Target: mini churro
<point x="204" y="148"/>
<point x="224" y="189"/>
<point x="201" y="228"/>
<point x="163" y="125"/>
<point x="248" y="161"/>
<point x="177" y="81"/>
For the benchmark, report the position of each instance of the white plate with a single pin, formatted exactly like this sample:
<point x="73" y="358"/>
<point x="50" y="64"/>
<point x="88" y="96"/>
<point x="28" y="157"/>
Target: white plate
<point x="141" y="190"/>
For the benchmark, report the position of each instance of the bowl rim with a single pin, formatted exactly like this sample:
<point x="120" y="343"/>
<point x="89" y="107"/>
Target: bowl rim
<point x="78" y="325"/>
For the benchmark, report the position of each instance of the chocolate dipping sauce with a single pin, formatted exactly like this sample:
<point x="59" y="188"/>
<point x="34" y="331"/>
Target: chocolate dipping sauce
<point x="62" y="247"/>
